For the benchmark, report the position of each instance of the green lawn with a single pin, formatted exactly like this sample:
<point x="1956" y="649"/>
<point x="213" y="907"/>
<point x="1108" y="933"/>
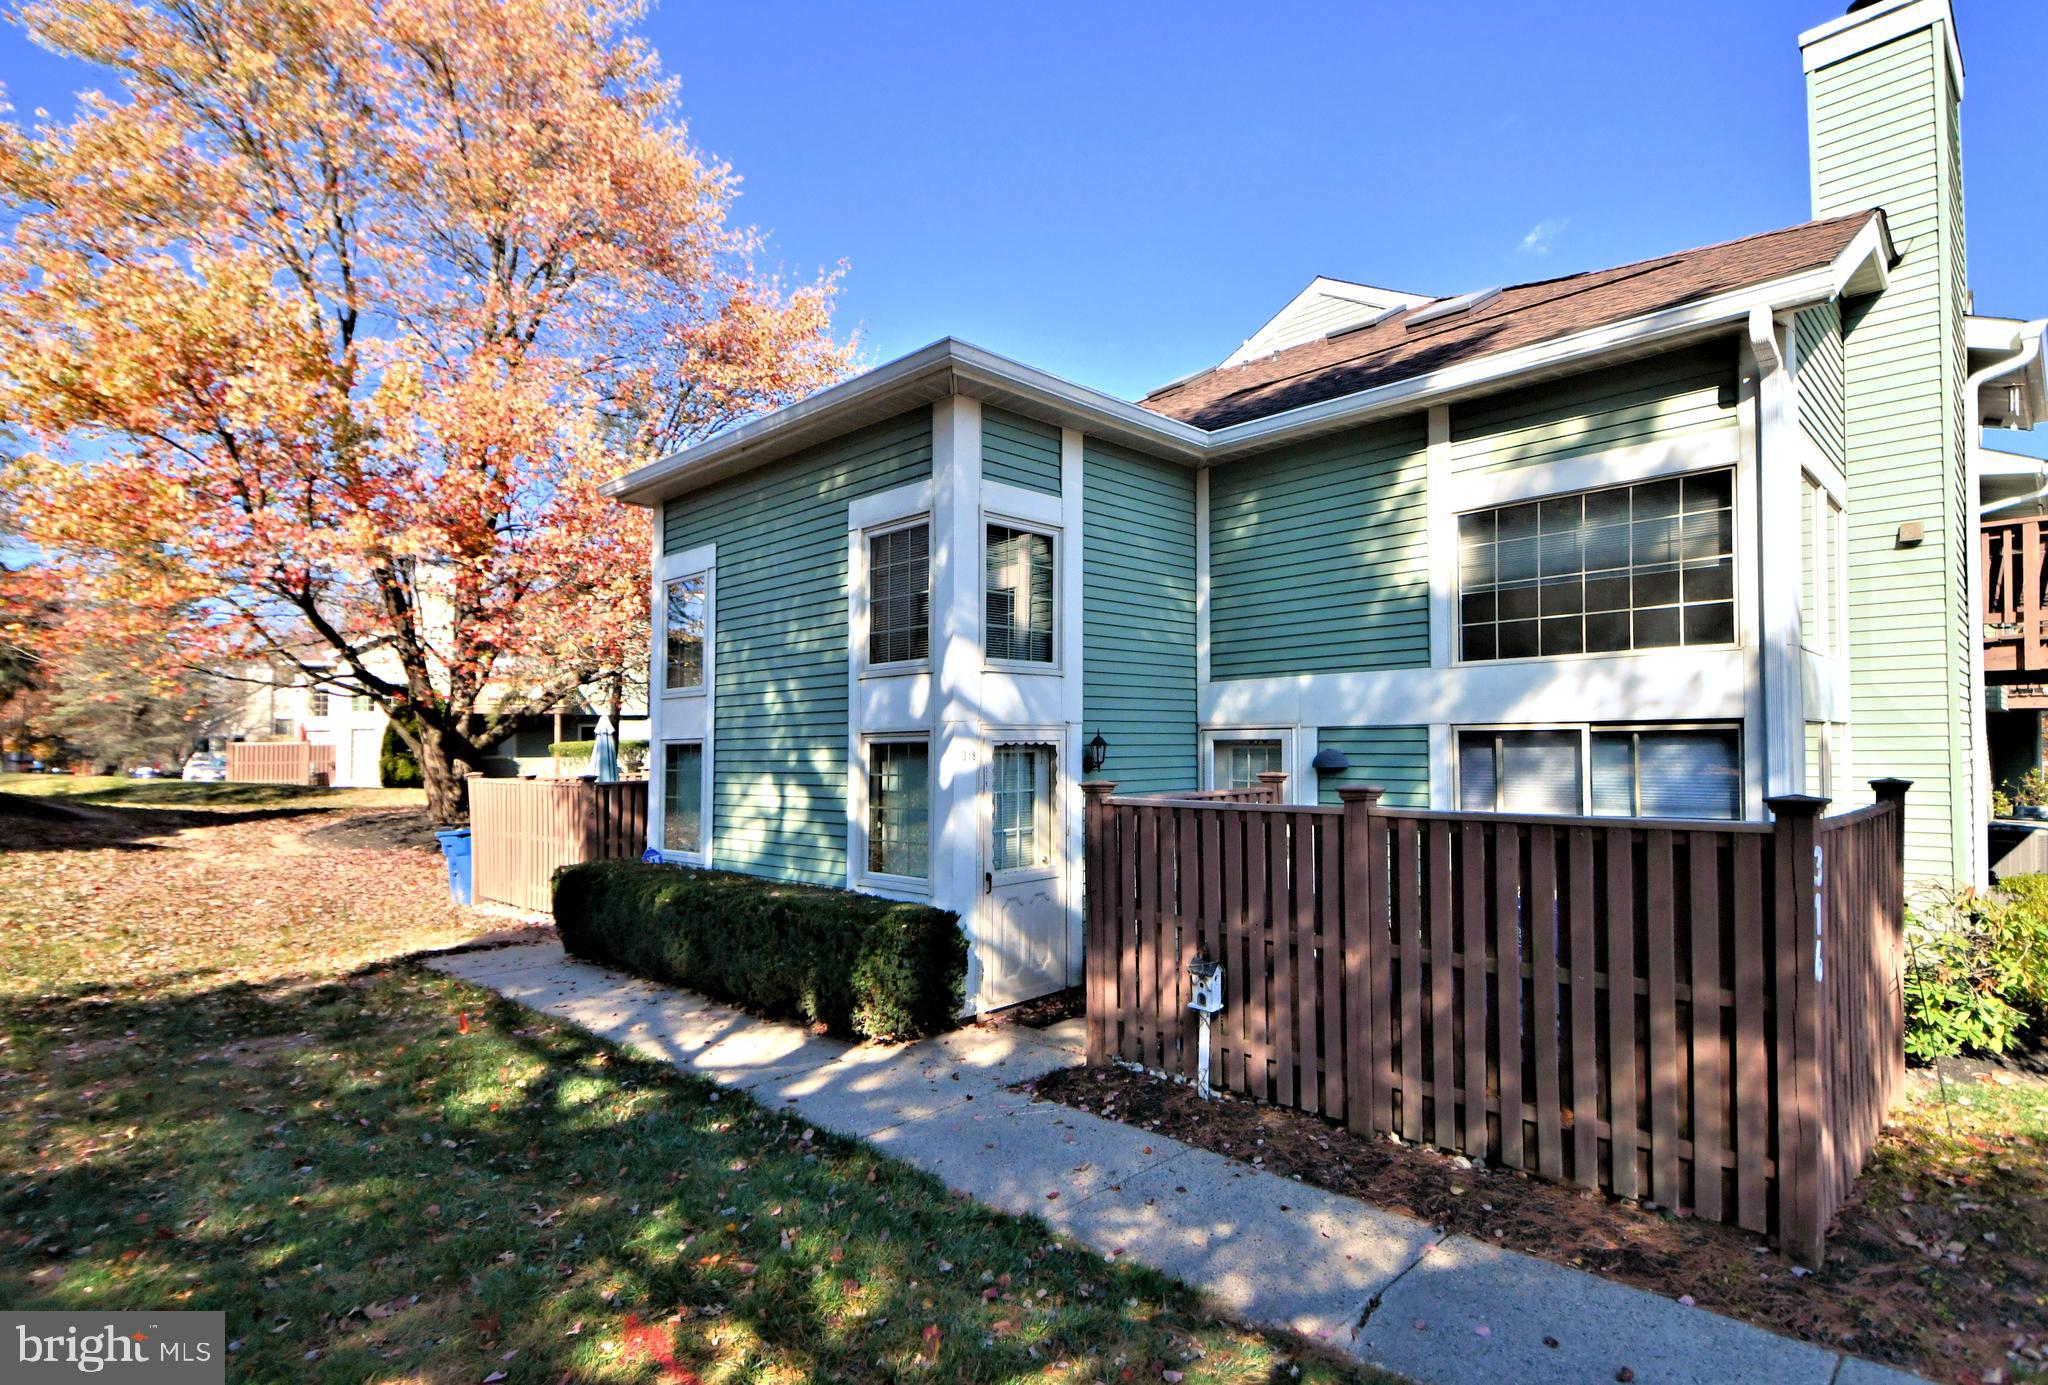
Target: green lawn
<point x="383" y="1174"/>
<point x="176" y="793"/>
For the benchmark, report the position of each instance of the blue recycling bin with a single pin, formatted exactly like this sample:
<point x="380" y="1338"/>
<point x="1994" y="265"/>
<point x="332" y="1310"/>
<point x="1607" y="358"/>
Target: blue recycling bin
<point x="455" y="848"/>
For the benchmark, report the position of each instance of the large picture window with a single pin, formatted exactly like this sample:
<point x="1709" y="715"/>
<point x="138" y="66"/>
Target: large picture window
<point x="1019" y="595"/>
<point x="1692" y="772"/>
<point x="682" y="798"/>
<point x="1645" y="566"/>
<point x="900" y="595"/>
<point x="688" y="600"/>
<point x="899" y="808"/>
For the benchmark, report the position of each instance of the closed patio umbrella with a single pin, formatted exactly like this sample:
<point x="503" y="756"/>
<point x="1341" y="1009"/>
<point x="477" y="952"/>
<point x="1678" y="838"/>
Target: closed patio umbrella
<point x="604" y="757"/>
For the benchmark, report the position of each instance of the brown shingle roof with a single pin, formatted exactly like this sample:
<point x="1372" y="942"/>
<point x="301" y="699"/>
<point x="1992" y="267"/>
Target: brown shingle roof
<point x="1521" y="315"/>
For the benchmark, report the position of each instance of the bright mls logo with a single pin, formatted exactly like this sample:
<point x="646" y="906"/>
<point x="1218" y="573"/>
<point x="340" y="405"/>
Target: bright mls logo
<point x="161" y="1348"/>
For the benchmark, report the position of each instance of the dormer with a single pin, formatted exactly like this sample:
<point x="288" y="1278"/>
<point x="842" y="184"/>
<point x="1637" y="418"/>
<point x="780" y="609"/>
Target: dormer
<point x="1324" y="308"/>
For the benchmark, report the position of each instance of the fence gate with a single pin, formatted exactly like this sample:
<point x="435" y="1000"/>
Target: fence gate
<point x="523" y="830"/>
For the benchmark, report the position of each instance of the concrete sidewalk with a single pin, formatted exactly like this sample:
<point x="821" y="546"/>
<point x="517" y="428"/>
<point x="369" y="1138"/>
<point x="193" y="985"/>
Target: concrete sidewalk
<point x="1385" y="1288"/>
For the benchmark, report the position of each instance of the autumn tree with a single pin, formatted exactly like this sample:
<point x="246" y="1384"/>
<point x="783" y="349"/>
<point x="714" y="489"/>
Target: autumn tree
<point x="328" y="325"/>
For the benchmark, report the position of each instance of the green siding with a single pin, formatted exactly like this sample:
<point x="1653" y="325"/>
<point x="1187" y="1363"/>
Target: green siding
<point x="1394" y="758"/>
<point x="1885" y="135"/>
<point x="1319" y="556"/>
<point x="1020" y="451"/>
<point x="1819" y="337"/>
<point x="780" y="632"/>
<point x="1138" y="632"/>
<point x="1684" y="394"/>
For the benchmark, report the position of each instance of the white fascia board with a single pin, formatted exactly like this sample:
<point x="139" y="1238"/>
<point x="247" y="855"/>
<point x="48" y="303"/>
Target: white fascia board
<point x="945" y="367"/>
<point x="1558" y="356"/>
<point x="1866" y="29"/>
<point x="951" y="366"/>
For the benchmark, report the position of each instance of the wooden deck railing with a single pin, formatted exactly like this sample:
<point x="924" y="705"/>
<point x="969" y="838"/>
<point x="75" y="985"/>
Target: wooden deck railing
<point x="279" y="762"/>
<point x="2015" y="611"/>
<point x="1706" y="1015"/>
<point x="523" y="830"/>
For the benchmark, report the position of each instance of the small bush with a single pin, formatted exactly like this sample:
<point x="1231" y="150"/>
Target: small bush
<point x="397" y="768"/>
<point x="857" y="964"/>
<point x="632" y="754"/>
<point x="1976" y="968"/>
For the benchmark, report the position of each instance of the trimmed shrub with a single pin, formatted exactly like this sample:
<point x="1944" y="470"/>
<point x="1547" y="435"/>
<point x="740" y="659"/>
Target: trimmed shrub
<point x="857" y="964"/>
<point x="1976" y="968"/>
<point x="396" y="766"/>
<point x="632" y="754"/>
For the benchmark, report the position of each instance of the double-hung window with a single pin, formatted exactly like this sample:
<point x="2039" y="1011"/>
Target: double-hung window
<point x="682" y="798"/>
<point x="900" y="594"/>
<point x="1692" y="772"/>
<point x="1644" y="566"/>
<point x="1018" y="595"/>
<point x="899" y="808"/>
<point x="688" y="602"/>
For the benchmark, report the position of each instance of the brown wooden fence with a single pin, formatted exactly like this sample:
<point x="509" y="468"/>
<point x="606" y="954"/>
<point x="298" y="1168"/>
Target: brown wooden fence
<point x="1704" y="1015"/>
<point x="523" y="830"/>
<point x="279" y="762"/>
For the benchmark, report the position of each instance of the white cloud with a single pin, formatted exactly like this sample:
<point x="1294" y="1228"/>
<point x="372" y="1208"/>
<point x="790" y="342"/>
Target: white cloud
<point x="1537" y="241"/>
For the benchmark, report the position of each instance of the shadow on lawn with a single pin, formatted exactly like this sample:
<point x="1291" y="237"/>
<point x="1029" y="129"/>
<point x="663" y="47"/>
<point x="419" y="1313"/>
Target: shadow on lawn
<point x="363" y="1171"/>
<point x="43" y="824"/>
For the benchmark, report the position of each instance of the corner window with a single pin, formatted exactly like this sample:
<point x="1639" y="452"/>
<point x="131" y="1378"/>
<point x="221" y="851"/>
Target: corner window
<point x="1239" y="762"/>
<point x="316" y="703"/>
<point x="688" y="602"/>
<point x="1687" y="772"/>
<point x="1645" y="566"/>
<point x="899" y="809"/>
<point x="1018" y="592"/>
<point x="682" y="798"/>
<point x="900" y="594"/>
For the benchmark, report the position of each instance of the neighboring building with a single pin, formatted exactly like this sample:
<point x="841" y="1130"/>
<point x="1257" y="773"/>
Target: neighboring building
<point x="1662" y="540"/>
<point x="284" y="704"/>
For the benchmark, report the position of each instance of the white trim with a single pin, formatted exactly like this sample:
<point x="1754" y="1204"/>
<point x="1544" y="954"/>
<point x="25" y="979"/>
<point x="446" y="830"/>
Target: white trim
<point x="1457" y="303"/>
<point x="1073" y="595"/>
<point x="1829" y="43"/>
<point x="950" y="366"/>
<point x="859" y="597"/>
<point x="1780" y="451"/>
<point x="1202" y="587"/>
<point x="685" y="715"/>
<point x="887" y="507"/>
<point x="957" y="680"/>
<point x="657" y="787"/>
<point x="1290" y="759"/>
<point x="1619" y="466"/>
<point x="1442" y="530"/>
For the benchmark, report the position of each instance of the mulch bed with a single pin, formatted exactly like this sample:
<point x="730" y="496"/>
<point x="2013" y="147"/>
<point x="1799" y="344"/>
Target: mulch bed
<point x="390" y="829"/>
<point x="1870" y="1298"/>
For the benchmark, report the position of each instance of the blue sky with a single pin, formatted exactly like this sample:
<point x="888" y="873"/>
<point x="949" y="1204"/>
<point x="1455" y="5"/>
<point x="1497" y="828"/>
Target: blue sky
<point x="1120" y="193"/>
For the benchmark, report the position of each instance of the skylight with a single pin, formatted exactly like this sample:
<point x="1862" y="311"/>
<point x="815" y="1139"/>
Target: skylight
<point x="1445" y="307"/>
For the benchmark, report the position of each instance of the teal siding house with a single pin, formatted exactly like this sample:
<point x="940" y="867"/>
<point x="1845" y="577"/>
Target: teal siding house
<point x="1658" y="540"/>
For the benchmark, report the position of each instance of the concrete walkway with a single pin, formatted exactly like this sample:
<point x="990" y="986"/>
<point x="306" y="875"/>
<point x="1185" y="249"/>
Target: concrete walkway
<point x="1388" y="1289"/>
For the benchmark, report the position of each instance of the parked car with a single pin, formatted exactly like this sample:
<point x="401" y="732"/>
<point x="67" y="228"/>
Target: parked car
<point x="145" y="772"/>
<point x="206" y="768"/>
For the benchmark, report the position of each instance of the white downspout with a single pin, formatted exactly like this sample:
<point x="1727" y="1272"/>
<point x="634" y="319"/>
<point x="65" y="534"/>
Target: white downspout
<point x="1980" y="750"/>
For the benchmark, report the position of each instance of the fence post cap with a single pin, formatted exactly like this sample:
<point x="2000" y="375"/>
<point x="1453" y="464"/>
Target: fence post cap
<point x="1890" y="788"/>
<point x="1098" y="788"/>
<point x="1792" y="805"/>
<point x="1272" y="776"/>
<point x="1368" y="794"/>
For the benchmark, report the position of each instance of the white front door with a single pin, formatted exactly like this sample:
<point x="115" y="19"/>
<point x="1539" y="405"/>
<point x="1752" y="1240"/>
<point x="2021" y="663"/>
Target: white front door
<point x="1023" y="935"/>
<point x="362" y="768"/>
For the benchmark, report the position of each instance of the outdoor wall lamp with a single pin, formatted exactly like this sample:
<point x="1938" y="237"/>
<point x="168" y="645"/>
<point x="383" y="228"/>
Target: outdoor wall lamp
<point x="1330" y="760"/>
<point x="1094" y="755"/>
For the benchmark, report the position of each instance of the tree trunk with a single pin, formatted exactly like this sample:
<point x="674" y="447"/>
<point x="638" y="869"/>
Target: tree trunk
<point x="445" y="778"/>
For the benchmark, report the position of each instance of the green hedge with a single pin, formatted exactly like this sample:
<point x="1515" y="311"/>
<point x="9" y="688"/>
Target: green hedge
<point x="855" y="963"/>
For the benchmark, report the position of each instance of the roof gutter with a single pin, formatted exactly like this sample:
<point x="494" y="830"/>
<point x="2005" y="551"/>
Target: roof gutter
<point x="951" y="366"/>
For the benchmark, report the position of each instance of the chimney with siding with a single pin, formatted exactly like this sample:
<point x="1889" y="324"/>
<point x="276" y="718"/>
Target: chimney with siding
<point x="1884" y="88"/>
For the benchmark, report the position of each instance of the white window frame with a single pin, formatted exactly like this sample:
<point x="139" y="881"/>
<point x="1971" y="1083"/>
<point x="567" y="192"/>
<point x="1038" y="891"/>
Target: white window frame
<point x="993" y="518"/>
<point x="1053" y="827"/>
<point x="657" y="773"/>
<point x="677" y="572"/>
<point x="1283" y="734"/>
<point x="1585" y="732"/>
<point x="864" y="608"/>
<point x="1506" y="497"/>
<point x="861" y="782"/>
